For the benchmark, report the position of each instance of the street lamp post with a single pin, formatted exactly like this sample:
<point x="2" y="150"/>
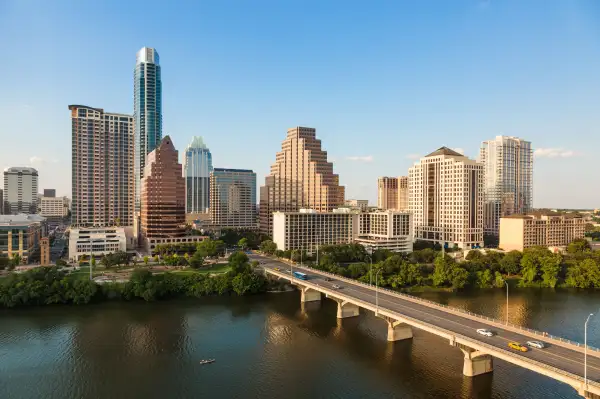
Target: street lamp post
<point x="505" y="282"/>
<point x="377" y="293"/>
<point x="585" y="351"/>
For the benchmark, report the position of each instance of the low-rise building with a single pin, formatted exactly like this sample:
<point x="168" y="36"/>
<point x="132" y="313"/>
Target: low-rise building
<point x="96" y="241"/>
<point x="518" y="232"/>
<point x="391" y="230"/>
<point x="308" y="229"/>
<point x="44" y="251"/>
<point x="54" y="208"/>
<point x="151" y="243"/>
<point x="21" y="234"/>
<point x="363" y="205"/>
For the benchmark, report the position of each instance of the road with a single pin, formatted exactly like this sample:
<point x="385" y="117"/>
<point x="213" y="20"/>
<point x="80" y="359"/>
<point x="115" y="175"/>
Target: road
<point x="553" y="355"/>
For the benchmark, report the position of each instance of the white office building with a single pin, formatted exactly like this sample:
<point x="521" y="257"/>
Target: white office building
<point x="446" y="199"/>
<point x="197" y="167"/>
<point x="391" y="230"/>
<point x="96" y="241"/>
<point x="20" y="190"/>
<point x="508" y="180"/>
<point x="309" y="229"/>
<point x="54" y="207"/>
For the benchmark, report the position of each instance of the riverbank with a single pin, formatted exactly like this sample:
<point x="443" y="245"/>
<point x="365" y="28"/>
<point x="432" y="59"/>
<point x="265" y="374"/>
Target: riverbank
<point x="51" y="286"/>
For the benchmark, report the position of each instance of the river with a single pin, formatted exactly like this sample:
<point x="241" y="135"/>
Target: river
<point x="267" y="346"/>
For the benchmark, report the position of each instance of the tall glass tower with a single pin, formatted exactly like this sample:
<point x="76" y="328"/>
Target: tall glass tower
<point x="508" y="184"/>
<point x="197" y="166"/>
<point x="147" y="110"/>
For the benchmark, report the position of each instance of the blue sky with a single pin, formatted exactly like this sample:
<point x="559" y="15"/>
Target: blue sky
<point x="381" y="81"/>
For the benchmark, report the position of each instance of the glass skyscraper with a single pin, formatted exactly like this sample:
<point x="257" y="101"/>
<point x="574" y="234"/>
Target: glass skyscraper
<point x="197" y="165"/>
<point x="147" y="110"/>
<point x="508" y="185"/>
<point x="233" y="198"/>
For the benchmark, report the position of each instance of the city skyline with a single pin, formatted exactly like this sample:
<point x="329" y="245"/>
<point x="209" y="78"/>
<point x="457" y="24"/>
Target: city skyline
<point x="403" y="108"/>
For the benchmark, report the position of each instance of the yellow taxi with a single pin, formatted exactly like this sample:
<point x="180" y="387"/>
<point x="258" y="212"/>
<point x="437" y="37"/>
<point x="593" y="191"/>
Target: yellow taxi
<point x="517" y="346"/>
<point x="277" y="269"/>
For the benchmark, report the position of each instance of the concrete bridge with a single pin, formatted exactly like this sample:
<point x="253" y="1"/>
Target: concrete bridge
<point x="562" y="360"/>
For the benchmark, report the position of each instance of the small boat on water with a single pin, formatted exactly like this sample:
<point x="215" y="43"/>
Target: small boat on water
<point x="207" y="361"/>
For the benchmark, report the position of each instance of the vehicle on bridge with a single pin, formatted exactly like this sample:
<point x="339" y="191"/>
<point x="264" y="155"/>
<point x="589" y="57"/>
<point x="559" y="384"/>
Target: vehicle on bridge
<point x="517" y="346"/>
<point x="336" y="287"/>
<point x="328" y="279"/>
<point x="485" y="331"/>
<point x="277" y="269"/>
<point x="301" y="276"/>
<point x="536" y="344"/>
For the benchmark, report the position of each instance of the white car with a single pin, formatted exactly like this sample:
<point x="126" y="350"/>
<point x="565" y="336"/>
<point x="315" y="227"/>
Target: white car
<point x="536" y="344"/>
<point x="485" y="331"/>
<point x="336" y="287"/>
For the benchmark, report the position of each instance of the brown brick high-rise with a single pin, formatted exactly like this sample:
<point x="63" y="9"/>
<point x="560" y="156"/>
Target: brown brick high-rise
<point x="301" y="177"/>
<point x="163" y="193"/>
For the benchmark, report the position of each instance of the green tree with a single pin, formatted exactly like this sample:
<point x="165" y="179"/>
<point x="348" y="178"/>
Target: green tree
<point x="498" y="280"/>
<point x="484" y="278"/>
<point x="579" y="245"/>
<point x="584" y="274"/>
<point x="511" y="263"/>
<point x="442" y="272"/>
<point x="459" y="277"/>
<point x="357" y="270"/>
<point x="550" y="266"/>
<point x="238" y="261"/>
<point x="268" y="247"/>
<point x="529" y="267"/>
<point x="243" y="243"/>
<point x="93" y="262"/>
<point x="197" y="260"/>
<point x="146" y="259"/>
<point x="16" y="260"/>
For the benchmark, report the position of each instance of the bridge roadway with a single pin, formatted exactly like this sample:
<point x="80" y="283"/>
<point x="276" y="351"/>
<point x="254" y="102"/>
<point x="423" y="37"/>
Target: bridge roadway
<point x="557" y="360"/>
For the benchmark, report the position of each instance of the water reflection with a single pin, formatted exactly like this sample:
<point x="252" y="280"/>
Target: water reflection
<point x="268" y="346"/>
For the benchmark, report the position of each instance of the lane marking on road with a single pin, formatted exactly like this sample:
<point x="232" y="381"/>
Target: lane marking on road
<point x="368" y="293"/>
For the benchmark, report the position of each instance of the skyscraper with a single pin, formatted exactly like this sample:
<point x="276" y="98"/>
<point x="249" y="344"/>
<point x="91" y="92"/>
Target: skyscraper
<point x="102" y="167"/>
<point x="233" y="198"/>
<point x="197" y="165"/>
<point x="163" y="193"/>
<point x="508" y="179"/>
<point x="147" y="110"/>
<point x="301" y="177"/>
<point x="446" y="199"/>
<point x="387" y="192"/>
<point x="20" y="190"/>
<point x="392" y="193"/>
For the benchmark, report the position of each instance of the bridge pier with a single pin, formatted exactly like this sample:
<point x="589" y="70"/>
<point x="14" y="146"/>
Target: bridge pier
<point x="397" y="329"/>
<point x="476" y="363"/>
<point x="346" y="309"/>
<point x="309" y="295"/>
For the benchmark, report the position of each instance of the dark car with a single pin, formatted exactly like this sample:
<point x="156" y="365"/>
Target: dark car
<point x="328" y="279"/>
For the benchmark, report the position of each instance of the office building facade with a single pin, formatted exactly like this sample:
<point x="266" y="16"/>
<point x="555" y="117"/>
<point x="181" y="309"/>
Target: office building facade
<point x="392" y="193"/>
<point x="163" y="193"/>
<point x="518" y="232"/>
<point x="49" y="192"/>
<point x="53" y="208"/>
<point x="20" y="190"/>
<point x="301" y="177"/>
<point x="147" y="111"/>
<point x="391" y="230"/>
<point x="362" y="205"/>
<point x="97" y="242"/>
<point x="508" y="179"/>
<point x="446" y="199"/>
<point x="308" y="229"/>
<point x="197" y="166"/>
<point x="233" y="198"/>
<point x="20" y="235"/>
<point x="102" y="167"/>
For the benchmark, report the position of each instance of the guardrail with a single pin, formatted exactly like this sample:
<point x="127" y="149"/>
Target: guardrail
<point x="412" y="298"/>
<point x="490" y="347"/>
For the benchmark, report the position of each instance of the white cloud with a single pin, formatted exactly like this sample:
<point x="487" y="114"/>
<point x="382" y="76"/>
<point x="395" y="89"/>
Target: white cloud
<point x="413" y="156"/>
<point x="366" y="158"/>
<point x="35" y="160"/>
<point x="459" y="150"/>
<point x="553" y="153"/>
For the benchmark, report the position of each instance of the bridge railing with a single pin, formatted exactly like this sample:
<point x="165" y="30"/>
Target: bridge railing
<point x="412" y="298"/>
<point x="490" y="347"/>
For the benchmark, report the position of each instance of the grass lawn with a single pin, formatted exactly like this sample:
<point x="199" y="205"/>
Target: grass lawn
<point x="213" y="269"/>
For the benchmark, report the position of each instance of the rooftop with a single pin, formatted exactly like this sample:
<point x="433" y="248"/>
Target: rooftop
<point x="444" y="151"/>
<point x="538" y="215"/>
<point x="20" y="219"/>
<point x="232" y="170"/>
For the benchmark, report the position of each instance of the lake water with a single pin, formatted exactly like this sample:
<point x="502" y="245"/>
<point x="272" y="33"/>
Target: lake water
<point x="267" y="346"/>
